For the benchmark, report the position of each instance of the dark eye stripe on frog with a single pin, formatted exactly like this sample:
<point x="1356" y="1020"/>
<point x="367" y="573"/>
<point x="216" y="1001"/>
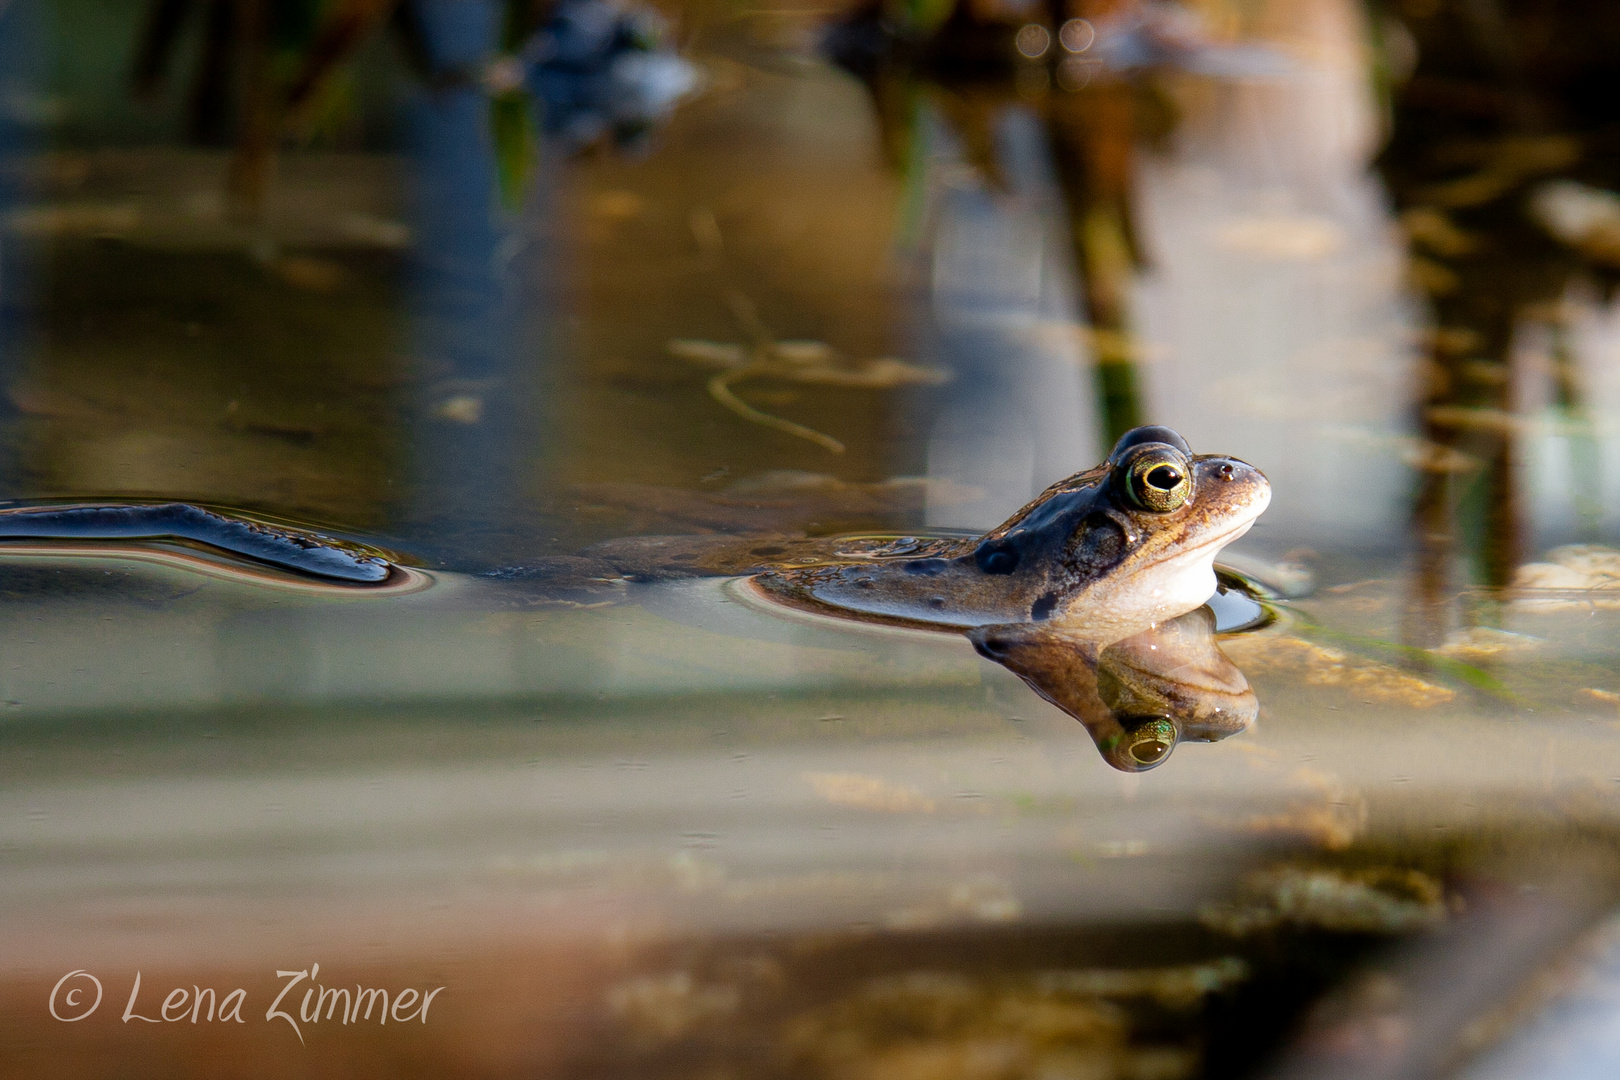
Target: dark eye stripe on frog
<point x="997" y="557"/>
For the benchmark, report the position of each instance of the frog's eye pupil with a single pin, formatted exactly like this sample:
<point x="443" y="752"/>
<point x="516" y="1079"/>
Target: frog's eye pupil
<point x="1165" y="477"/>
<point x="1149" y="751"/>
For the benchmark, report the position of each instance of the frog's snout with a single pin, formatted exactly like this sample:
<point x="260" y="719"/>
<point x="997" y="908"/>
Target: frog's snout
<point x="1234" y="479"/>
<point x="1233" y="470"/>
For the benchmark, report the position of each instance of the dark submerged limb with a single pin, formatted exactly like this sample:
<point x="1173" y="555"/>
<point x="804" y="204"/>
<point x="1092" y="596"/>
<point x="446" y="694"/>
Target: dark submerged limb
<point x="304" y="553"/>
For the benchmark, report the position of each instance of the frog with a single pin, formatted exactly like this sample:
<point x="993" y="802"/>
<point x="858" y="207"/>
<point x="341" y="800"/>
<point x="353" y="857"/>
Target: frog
<point x="1097" y="557"/>
<point x="1093" y="593"/>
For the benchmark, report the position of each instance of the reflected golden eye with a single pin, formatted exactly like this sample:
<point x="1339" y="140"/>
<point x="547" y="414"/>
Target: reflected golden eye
<point x="1151" y="743"/>
<point x="1157" y="477"/>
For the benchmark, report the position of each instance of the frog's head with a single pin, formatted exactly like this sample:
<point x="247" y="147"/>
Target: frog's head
<point x="1102" y="554"/>
<point x="1129" y="543"/>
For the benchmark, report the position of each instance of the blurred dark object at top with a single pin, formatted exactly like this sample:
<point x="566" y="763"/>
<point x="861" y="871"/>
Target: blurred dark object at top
<point x="599" y="71"/>
<point x="1549" y="64"/>
<point x="990" y="37"/>
<point x="262" y="64"/>
<point x="1088" y="70"/>
<point x="596" y="69"/>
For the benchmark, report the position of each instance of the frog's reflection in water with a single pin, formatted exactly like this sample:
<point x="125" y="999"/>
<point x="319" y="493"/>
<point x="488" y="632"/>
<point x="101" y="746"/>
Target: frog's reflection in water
<point x="1138" y="698"/>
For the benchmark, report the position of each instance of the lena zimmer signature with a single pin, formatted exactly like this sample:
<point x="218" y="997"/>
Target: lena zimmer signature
<point x="71" y="1002"/>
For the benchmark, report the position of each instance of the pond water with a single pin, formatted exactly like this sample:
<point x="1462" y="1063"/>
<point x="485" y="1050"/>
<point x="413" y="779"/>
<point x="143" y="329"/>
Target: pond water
<point x="637" y="822"/>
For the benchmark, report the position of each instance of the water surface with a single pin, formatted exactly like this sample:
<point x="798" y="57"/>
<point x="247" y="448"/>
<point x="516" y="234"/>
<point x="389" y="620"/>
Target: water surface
<point x="643" y="828"/>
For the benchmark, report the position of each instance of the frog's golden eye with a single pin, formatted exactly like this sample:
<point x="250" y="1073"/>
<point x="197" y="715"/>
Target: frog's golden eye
<point x="1150" y="742"/>
<point x="1157" y="477"/>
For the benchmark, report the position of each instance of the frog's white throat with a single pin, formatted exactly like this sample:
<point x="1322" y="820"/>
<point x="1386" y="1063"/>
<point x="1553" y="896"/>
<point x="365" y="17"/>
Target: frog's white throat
<point x="1155" y="593"/>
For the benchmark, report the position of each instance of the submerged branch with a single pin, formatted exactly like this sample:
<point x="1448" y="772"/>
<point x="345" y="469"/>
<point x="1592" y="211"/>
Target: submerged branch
<point x="720" y="390"/>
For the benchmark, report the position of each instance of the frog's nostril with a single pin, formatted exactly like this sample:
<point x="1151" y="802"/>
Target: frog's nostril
<point x="1226" y="472"/>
